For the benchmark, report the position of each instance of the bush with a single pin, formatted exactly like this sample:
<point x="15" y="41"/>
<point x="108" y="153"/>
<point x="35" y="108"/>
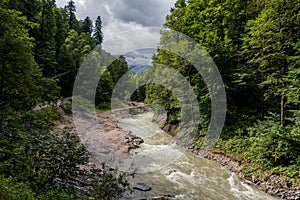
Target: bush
<point x="33" y="158"/>
<point x="11" y="190"/>
<point x="111" y="185"/>
<point x="31" y="153"/>
<point x="268" y="144"/>
<point x="273" y="144"/>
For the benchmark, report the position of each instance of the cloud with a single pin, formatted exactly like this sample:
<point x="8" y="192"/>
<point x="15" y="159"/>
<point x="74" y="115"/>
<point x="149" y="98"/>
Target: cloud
<point x="140" y="60"/>
<point x="146" y="13"/>
<point x="133" y="39"/>
<point x="125" y="15"/>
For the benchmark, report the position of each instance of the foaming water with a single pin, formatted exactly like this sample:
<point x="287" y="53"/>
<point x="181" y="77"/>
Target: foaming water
<point x="172" y="170"/>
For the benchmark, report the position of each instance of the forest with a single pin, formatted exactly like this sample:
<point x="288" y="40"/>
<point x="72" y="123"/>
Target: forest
<point x="254" y="43"/>
<point x="42" y="47"/>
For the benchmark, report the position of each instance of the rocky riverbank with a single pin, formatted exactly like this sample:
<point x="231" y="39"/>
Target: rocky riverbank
<point x="273" y="184"/>
<point x="93" y="172"/>
<point x="124" y="141"/>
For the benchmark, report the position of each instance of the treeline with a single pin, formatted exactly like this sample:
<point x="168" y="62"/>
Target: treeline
<point x="255" y="44"/>
<point x="48" y="44"/>
<point x="42" y="47"/>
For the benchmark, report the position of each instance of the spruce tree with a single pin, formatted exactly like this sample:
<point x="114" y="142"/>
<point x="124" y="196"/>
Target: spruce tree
<point x="45" y="53"/>
<point x="98" y="35"/>
<point x="62" y="28"/>
<point x="71" y="13"/>
<point x="86" y="25"/>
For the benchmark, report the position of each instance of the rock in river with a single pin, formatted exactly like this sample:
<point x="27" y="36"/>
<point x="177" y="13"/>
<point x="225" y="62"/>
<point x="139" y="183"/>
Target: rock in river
<point x="142" y="187"/>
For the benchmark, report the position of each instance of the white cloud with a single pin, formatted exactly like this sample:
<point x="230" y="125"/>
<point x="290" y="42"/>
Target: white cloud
<point x="82" y="4"/>
<point x="131" y="37"/>
<point x="140" y="57"/>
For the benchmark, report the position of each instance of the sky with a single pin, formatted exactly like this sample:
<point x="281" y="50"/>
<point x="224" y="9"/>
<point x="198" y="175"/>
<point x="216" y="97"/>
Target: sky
<point x="125" y="22"/>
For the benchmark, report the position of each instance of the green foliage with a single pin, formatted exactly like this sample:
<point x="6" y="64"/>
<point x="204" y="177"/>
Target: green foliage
<point x="61" y="42"/>
<point x="30" y="152"/>
<point x="160" y="94"/>
<point x="35" y="157"/>
<point x="269" y="145"/>
<point x="118" y="68"/>
<point x="41" y="44"/>
<point x="10" y="189"/>
<point x="267" y="46"/>
<point x="72" y="54"/>
<point x="255" y="45"/>
<point x="86" y="25"/>
<point x="45" y="54"/>
<point x="115" y="70"/>
<point x="79" y="45"/>
<point x="293" y="91"/>
<point x="104" y="91"/>
<point x="273" y="145"/>
<point x="21" y="81"/>
<point x="62" y="28"/>
<point x="112" y="185"/>
<point x="95" y="68"/>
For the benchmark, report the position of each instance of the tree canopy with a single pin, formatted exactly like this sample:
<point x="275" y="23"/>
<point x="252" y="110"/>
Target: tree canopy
<point x="255" y="45"/>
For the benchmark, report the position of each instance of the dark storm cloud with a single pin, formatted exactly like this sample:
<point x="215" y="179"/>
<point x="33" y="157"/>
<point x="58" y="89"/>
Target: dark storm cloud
<point x="144" y="12"/>
<point x="123" y="15"/>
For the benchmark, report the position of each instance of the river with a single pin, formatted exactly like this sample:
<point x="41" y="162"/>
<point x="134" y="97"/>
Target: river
<point x="172" y="170"/>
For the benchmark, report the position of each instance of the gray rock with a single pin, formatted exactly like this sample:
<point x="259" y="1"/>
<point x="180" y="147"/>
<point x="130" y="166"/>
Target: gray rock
<point x="139" y="140"/>
<point x="142" y="187"/>
<point x="165" y="197"/>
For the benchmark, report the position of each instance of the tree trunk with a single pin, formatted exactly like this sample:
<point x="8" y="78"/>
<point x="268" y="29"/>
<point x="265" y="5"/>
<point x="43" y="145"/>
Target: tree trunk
<point x="282" y="105"/>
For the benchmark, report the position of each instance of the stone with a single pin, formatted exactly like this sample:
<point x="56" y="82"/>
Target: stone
<point x="127" y="140"/>
<point x="142" y="187"/>
<point x="139" y="140"/>
<point x="165" y="197"/>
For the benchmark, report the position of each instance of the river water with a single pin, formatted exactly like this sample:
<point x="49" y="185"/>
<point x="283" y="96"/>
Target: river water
<point x="172" y="170"/>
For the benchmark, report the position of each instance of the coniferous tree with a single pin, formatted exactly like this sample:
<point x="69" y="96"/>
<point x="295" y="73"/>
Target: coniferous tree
<point x="86" y="25"/>
<point x="45" y="52"/>
<point x="98" y="35"/>
<point x="29" y="8"/>
<point x="71" y="13"/>
<point x="62" y="27"/>
<point x="21" y="81"/>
